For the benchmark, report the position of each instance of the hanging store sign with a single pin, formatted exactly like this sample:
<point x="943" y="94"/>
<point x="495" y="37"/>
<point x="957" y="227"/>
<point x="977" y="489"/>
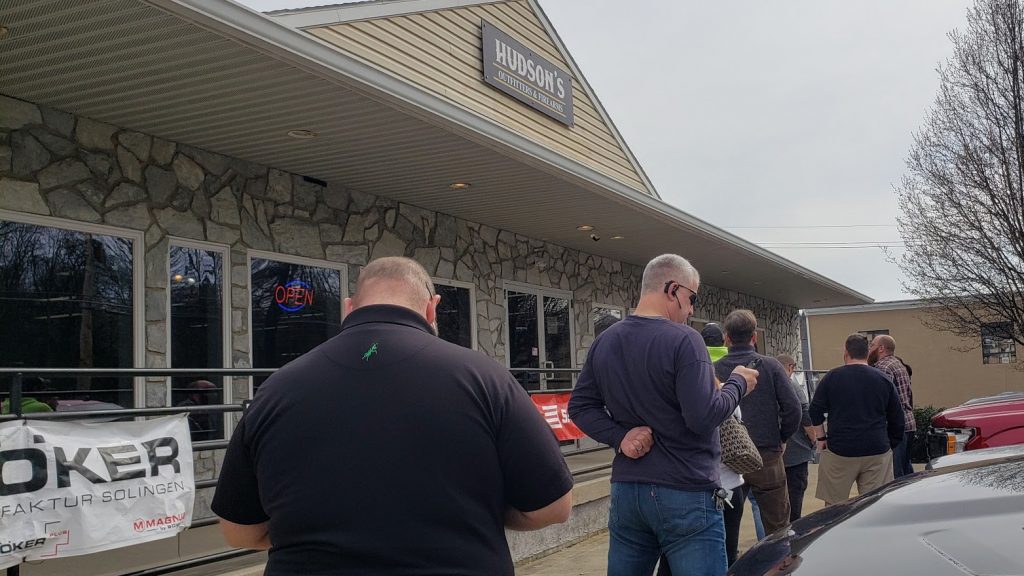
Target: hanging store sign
<point x="68" y="488"/>
<point x="517" y="71"/>
<point x="555" y="410"/>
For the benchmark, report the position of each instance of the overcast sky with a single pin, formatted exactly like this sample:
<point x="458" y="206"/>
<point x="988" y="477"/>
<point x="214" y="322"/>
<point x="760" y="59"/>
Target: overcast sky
<point x="749" y="113"/>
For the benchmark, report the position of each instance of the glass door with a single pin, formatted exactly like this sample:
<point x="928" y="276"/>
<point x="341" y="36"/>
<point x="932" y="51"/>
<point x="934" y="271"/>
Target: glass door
<point x="557" y="343"/>
<point x="540" y="335"/>
<point x="523" y="343"/>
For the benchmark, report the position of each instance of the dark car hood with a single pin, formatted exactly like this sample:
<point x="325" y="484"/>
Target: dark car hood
<point x="960" y="520"/>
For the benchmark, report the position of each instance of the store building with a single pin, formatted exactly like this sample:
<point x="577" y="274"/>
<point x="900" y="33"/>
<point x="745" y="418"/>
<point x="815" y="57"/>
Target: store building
<point x="188" y="183"/>
<point x="948" y="369"/>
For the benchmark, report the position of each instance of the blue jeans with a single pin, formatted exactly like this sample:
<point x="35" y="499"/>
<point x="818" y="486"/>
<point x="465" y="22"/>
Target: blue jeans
<point x="901" y="465"/>
<point x="756" y="511"/>
<point x="646" y="521"/>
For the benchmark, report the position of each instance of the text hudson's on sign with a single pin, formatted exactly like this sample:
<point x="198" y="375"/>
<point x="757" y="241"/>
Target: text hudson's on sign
<point x="514" y="69"/>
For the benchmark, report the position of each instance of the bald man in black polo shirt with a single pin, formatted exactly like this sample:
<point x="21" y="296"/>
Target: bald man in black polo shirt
<point x="387" y="450"/>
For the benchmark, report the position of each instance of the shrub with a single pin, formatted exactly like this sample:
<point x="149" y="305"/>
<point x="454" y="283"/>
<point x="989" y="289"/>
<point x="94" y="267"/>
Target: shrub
<point x="919" y="446"/>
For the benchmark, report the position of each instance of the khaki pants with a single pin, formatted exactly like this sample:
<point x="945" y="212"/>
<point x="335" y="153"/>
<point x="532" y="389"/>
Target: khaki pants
<point x="836" y="475"/>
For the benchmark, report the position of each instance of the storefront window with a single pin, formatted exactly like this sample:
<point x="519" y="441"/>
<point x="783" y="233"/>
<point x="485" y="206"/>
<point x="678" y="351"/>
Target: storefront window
<point x="295" y="308"/>
<point x="197" y="334"/>
<point x="66" y="301"/>
<point x="455" y="315"/>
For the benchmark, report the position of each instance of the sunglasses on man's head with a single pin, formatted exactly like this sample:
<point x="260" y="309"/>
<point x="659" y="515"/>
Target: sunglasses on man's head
<point x="668" y="286"/>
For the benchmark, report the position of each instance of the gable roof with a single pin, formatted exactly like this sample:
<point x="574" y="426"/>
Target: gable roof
<point x="380" y="31"/>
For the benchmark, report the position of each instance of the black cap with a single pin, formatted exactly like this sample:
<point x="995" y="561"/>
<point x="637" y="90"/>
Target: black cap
<point x="713" y="335"/>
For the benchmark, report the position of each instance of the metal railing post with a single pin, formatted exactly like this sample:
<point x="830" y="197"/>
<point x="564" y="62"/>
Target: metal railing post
<point x="15" y="408"/>
<point x="15" y="405"/>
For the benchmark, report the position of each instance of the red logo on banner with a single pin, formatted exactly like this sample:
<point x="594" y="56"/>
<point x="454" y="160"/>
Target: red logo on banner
<point x="555" y="410"/>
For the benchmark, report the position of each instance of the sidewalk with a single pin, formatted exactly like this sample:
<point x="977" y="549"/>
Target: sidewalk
<point x="590" y="557"/>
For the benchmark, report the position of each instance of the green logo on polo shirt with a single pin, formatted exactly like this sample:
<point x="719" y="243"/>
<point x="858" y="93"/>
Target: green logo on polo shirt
<point x="370" y="352"/>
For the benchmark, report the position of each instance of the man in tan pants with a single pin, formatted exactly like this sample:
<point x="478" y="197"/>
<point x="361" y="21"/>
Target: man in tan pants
<point x="865" y="421"/>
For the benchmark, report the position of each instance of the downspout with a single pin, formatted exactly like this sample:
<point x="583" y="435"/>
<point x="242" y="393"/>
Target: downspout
<point x="805" y="342"/>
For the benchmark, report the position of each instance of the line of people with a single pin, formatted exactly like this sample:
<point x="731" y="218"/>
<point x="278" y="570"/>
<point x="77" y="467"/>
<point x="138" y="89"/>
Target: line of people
<point x="657" y="390"/>
<point x="318" y="469"/>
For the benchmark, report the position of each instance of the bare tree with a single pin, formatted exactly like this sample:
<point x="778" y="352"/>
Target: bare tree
<point x="962" y="201"/>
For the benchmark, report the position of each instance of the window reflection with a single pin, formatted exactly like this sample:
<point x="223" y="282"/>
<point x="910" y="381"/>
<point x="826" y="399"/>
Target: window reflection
<point x="66" y="300"/>
<point x="455" y="315"/>
<point x="197" y="334"/>
<point x="557" y="341"/>
<point x="602" y="318"/>
<point x="295" y="308"/>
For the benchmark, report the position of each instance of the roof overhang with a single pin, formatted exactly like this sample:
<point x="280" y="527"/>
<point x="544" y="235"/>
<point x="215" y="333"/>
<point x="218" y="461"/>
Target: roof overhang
<point x="873" y="307"/>
<point x="216" y="75"/>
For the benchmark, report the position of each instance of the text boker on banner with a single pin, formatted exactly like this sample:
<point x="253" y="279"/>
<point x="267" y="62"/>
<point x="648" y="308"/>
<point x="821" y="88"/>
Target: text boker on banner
<point x="69" y="488"/>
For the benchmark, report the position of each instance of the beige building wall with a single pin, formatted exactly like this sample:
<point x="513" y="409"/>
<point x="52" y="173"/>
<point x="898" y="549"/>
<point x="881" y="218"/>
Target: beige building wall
<point x="943" y="375"/>
<point x="440" y="51"/>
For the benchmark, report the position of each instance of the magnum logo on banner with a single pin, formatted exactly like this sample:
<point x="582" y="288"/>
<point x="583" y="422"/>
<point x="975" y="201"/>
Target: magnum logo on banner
<point x="555" y="410"/>
<point x="514" y="69"/>
<point x="69" y="488"/>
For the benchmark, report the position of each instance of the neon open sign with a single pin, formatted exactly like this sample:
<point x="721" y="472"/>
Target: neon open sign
<point x="293" y="296"/>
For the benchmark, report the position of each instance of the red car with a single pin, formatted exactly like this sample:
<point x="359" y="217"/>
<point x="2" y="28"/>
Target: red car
<point x="977" y="425"/>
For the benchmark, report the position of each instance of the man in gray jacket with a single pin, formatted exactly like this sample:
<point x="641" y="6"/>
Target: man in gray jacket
<point x="800" y="448"/>
<point x="771" y="413"/>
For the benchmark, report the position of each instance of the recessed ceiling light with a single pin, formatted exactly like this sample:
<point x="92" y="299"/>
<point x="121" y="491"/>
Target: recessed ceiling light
<point x="757" y="283"/>
<point x="459" y="185"/>
<point x="302" y="134"/>
<point x="584" y="227"/>
<point x="617" y="237"/>
<point x="725" y="271"/>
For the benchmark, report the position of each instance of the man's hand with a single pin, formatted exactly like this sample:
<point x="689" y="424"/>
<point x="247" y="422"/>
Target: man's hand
<point x="822" y="445"/>
<point x="811" y="436"/>
<point x="637" y="442"/>
<point x="748" y="374"/>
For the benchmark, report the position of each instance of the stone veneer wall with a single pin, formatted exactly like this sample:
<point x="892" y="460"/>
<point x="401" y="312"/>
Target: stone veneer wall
<point x="56" y="164"/>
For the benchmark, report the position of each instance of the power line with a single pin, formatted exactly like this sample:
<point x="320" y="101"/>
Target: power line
<point x="836" y="243"/>
<point x="826" y="247"/>
<point x="810" y="226"/>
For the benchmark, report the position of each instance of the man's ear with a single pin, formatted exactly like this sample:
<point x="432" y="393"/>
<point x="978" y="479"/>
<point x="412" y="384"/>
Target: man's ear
<point x="753" y="339"/>
<point x="728" y="342"/>
<point x="348" y="306"/>
<point x="431" y="312"/>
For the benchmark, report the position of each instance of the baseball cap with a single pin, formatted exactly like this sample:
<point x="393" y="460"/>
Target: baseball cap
<point x="713" y="335"/>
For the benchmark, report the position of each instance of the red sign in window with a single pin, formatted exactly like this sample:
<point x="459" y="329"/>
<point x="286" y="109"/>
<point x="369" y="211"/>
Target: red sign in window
<point x="555" y="410"/>
<point x="293" y="296"/>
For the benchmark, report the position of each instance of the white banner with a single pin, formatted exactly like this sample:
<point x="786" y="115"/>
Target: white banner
<point x="69" y="488"/>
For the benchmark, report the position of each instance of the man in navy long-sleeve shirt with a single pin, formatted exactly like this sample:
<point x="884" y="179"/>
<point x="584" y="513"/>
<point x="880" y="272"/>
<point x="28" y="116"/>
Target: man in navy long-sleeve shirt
<point x="648" y="390"/>
<point x="865" y="421"/>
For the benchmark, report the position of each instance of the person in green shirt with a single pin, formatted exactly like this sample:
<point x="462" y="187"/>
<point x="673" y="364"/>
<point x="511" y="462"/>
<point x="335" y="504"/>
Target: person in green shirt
<point x="714" y="339"/>
<point x="29" y="405"/>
